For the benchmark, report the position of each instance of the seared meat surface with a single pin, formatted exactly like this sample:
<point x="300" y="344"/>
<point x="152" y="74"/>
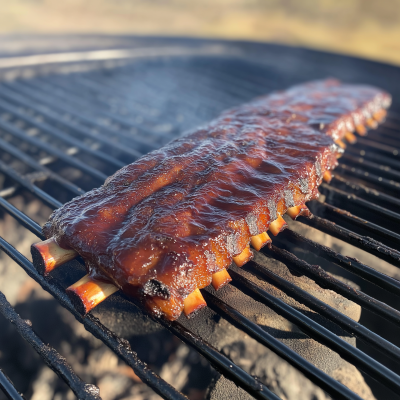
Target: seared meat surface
<point x="161" y="227"/>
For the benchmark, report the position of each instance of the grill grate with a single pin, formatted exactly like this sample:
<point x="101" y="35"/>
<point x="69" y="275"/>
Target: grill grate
<point x="48" y="354"/>
<point x="63" y="134"/>
<point x="8" y="388"/>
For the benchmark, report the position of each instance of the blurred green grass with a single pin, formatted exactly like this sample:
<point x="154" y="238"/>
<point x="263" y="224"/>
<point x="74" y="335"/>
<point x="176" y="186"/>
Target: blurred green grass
<point x="368" y="28"/>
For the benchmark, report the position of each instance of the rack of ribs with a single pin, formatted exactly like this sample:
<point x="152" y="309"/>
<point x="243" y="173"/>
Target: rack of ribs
<point x="172" y="222"/>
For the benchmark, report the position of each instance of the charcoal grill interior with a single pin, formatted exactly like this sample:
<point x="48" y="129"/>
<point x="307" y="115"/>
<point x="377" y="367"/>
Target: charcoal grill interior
<point x="66" y="125"/>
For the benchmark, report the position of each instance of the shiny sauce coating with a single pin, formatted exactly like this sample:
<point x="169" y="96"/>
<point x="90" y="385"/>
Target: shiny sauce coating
<point x="160" y="227"/>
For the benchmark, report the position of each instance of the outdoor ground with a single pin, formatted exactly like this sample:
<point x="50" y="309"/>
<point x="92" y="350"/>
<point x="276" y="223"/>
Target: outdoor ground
<point x="367" y="28"/>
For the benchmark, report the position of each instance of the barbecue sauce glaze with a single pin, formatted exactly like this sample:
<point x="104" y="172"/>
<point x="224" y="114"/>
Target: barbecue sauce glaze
<point x="160" y="227"/>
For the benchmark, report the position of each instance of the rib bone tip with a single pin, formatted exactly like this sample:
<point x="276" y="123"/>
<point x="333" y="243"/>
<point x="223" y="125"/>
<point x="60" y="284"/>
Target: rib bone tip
<point x="361" y="130"/>
<point x="220" y="279"/>
<point x="340" y="143"/>
<point x="277" y="226"/>
<point x="87" y="293"/>
<point x="297" y="211"/>
<point x="48" y="255"/>
<point x="245" y="256"/>
<point x="371" y="123"/>
<point x="350" y="137"/>
<point x="380" y="115"/>
<point x="327" y="176"/>
<point x="193" y="303"/>
<point x="259" y="241"/>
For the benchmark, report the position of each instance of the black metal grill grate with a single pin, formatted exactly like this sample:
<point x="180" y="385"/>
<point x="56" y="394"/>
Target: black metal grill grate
<point x="63" y="134"/>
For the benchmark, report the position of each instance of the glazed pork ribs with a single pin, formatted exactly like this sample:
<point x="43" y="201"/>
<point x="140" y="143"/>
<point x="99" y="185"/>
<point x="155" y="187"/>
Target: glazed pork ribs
<point x="172" y="222"/>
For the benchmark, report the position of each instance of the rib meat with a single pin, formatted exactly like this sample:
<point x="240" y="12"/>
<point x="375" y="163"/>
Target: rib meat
<point x="160" y="227"/>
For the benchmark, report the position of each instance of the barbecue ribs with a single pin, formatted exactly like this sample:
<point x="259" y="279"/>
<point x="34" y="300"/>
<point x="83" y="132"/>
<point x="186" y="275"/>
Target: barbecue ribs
<point x="172" y="222"/>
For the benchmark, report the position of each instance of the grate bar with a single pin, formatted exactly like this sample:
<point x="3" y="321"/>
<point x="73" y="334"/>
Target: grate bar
<point x="65" y="95"/>
<point x="241" y="90"/>
<point x="330" y="385"/>
<point x="115" y="89"/>
<point x="50" y="356"/>
<point x="352" y="203"/>
<point x="60" y="102"/>
<point x="346" y="323"/>
<point x="379" y="147"/>
<point x="384" y="136"/>
<point x="8" y="388"/>
<point x="55" y="119"/>
<point x="184" y="101"/>
<point x="327" y="281"/>
<point x="382" y="199"/>
<point x="377" y="181"/>
<point x="143" y="127"/>
<point x="22" y="218"/>
<point x="350" y="264"/>
<point x="215" y="98"/>
<point x="319" y="333"/>
<point x="387" y="129"/>
<point x="35" y="95"/>
<point x="384" y="171"/>
<point x="9" y="148"/>
<point x="105" y="90"/>
<point x="50" y="149"/>
<point x="362" y="242"/>
<point x="27" y="184"/>
<point x="54" y="132"/>
<point x="394" y="116"/>
<point x="357" y="224"/>
<point x="375" y="157"/>
<point x="101" y="91"/>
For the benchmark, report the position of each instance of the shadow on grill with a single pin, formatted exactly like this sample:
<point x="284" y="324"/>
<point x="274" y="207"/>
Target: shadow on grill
<point x="288" y="325"/>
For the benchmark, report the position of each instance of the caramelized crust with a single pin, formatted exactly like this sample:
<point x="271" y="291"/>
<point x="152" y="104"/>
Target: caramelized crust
<point x="159" y="228"/>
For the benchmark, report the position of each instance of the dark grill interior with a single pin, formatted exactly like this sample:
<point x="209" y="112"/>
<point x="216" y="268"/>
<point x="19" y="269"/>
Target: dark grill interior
<point x="64" y="130"/>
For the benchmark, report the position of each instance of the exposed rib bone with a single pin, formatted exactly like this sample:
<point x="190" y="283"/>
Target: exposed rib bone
<point x="327" y="176"/>
<point x="170" y="308"/>
<point x="361" y="130"/>
<point x="380" y="115"/>
<point x="340" y="143"/>
<point x="259" y="241"/>
<point x="296" y="211"/>
<point x="245" y="256"/>
<point x="220" y="279"/>
<point x="371" y="123"/>
<point x="350" y="137"/>
<point x="48" y="255"/>
<point x="194" y="302"/>
<point x="277" y="226"/>
<point x="87" y="293"/>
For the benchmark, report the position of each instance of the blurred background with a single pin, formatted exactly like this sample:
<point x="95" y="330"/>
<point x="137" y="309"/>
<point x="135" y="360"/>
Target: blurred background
<point x="366" y="28"/>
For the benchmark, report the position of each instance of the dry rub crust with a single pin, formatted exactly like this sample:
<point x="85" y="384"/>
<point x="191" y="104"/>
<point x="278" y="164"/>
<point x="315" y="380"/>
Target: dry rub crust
<point x="160" y="227"/>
